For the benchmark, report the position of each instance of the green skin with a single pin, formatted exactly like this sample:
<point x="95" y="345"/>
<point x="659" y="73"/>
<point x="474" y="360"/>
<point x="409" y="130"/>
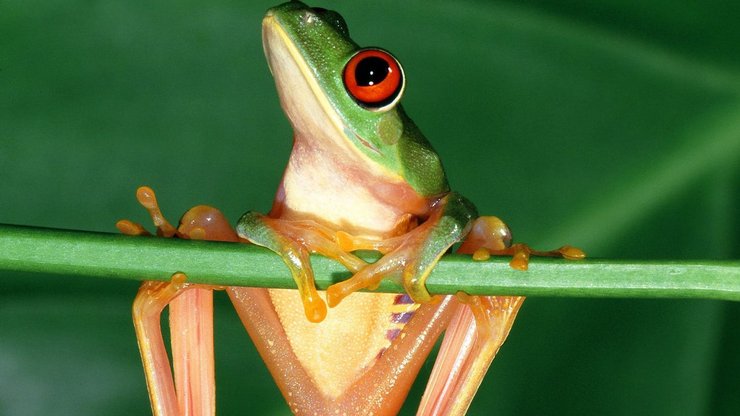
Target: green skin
<point x="409" y="155"/>
<point x="391" y="141"/>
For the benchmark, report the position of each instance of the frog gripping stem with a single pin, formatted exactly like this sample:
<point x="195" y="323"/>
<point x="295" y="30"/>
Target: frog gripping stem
<point x="416" y="252"/>
<point x="261" y="230"/>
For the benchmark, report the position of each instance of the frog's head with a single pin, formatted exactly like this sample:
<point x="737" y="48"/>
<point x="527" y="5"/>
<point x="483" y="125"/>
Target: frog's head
<point x="345" y="98"/>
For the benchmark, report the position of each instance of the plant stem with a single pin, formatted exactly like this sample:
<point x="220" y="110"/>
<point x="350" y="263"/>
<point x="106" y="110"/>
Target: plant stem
<point x="228" y="264"/>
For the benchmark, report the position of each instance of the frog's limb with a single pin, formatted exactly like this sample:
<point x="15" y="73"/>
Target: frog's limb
<point x="471" y="341"/>
<point x="477" y="331"/>
<point x="191" y="329"/>
<point x="520" y="254"/>
<point x="191" y="318"/>
<point x="293" y="241"/>
<point x="191" y="321"/>
<point x="415" y="253"/>
<point x="490" y="236"/>
<point x="390" y="242"/>
<point x="474" y="335"/>
<point x="191" y="333"/>
<point x="150" y="301"/>
<point x="146" y="197"/>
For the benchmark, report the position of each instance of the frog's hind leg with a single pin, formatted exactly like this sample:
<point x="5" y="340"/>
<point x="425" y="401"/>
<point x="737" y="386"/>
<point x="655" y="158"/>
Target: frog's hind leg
<point x="491" y="237"/>
<point x="471" y="342"/>
<point x="191" y="333"/>
<point x="478" y="330"/>
<point x="474" y="335"/>
<point x="192" y="391"/>
<point x="153" y="296"/>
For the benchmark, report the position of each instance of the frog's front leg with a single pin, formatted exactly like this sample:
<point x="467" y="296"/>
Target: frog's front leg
<point x="413" y="255"/>
<point x="294" y="241"/>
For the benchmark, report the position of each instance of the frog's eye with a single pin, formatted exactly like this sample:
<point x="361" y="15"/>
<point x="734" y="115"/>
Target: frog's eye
<point x="374" y="78"/>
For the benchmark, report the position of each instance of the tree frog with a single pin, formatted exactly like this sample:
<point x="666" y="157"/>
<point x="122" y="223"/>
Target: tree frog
<point x="361" y="176"/>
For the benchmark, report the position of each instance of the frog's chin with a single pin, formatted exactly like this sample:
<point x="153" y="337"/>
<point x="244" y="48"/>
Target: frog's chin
<point x="302" y="98"/>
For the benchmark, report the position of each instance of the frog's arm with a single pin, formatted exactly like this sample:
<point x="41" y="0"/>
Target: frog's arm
<point x="293" y="241"/>
<point x="415" y="253"/>
<point x="411" y="255"/>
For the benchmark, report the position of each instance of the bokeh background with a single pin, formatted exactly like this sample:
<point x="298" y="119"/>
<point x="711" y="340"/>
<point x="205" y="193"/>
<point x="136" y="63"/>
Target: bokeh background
<point x="610" y="125"/>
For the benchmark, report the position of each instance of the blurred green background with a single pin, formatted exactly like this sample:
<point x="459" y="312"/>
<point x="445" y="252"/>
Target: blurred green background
<point x="610" y="125"/>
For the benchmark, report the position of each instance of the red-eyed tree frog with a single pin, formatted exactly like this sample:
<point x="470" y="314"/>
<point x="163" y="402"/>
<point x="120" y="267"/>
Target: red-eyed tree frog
<point x="360" y="176"/>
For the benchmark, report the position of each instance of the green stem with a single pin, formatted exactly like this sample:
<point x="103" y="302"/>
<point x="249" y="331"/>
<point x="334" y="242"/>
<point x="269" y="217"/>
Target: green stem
<point x="141" y="258"/>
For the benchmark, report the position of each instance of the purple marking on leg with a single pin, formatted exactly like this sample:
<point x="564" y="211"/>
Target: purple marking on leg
<point x="402" y="300"/>
<point x="401" y="318"/>
<point x="391" y="334"/>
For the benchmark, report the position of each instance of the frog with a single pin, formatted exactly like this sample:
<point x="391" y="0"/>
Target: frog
<point x="361" y="176"/>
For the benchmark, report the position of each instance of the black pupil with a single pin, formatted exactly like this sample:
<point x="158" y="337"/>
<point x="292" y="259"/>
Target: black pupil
<point x="371" y="71"/>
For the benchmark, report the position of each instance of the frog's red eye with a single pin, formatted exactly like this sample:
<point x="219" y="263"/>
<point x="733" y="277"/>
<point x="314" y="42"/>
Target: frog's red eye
<point x="374" y="78"/>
